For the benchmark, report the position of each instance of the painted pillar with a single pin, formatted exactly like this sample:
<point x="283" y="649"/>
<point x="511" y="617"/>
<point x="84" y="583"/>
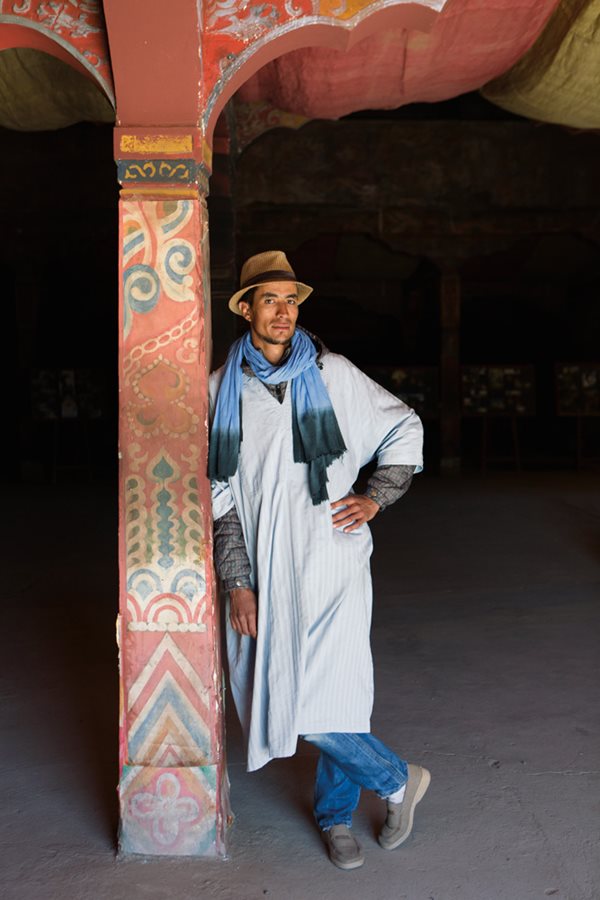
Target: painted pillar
<point x="450" y="371"/>
<point x="173" y="786"/>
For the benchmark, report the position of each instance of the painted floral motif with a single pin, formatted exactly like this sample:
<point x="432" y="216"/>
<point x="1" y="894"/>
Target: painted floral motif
<point x="57" y="16"/>
<point x="248" y="20"/>
<point x="245" y="20"/>
<point x="160" y="389"/>
<point x="166" y="809"/>
<point x="169" y="810"/>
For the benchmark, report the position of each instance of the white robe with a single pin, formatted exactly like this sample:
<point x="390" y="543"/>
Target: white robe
<point x="310" y="668"/>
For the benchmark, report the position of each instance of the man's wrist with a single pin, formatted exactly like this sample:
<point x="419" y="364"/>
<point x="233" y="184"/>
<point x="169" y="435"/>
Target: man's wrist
<point x="242" y="581"/>
<point x="373" y="494"/>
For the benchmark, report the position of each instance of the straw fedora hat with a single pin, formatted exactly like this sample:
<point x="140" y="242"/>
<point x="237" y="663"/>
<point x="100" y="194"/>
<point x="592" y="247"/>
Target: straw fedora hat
<point x="272" y="265"/>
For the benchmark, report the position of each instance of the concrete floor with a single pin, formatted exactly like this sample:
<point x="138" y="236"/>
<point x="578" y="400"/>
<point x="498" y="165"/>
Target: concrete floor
<point x="486" y="671"/>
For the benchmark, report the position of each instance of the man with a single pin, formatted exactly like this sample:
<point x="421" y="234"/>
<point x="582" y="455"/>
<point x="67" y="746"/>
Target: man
<point x="292" y="426"/>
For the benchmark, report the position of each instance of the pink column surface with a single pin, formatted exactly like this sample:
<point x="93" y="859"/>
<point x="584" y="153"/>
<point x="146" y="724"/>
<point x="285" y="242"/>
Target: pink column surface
<point x="173" y="785"/>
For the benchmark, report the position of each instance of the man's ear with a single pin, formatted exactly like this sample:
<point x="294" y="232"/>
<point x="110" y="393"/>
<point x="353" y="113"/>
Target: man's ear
<point x="245" y="309"/>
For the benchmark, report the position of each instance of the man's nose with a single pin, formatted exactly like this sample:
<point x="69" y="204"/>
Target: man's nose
<point x="282" y="309"/>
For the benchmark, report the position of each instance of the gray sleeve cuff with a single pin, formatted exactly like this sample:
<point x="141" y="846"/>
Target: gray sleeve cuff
<point x="388" y="483"/>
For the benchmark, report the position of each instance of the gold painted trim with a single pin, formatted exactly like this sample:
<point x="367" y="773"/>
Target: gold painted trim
<point x="150" y="192"/>
<point x="156" y="143"/>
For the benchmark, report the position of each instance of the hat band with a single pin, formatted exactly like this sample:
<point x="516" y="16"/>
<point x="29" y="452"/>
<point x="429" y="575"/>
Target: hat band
<point x="273" y="275"/>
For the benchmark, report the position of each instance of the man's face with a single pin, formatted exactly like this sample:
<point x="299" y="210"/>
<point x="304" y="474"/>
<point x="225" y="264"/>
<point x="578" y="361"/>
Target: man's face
<point x="272" y="314"/>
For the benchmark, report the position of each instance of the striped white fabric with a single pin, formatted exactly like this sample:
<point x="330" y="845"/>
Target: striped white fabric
<point x="310" y="668"/>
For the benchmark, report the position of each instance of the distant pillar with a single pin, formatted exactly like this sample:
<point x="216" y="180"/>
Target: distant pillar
<point x="450" y="371"/>
<point x="173" y="786"/>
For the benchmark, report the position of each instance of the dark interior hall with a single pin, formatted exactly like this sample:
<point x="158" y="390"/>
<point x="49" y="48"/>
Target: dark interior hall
<point x="454" y="249"/>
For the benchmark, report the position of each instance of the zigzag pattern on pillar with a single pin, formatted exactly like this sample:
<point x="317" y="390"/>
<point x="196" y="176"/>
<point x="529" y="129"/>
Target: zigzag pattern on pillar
<point x="167" y="710"/>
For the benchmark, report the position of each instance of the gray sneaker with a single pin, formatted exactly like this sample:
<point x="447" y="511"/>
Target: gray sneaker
<point x="399" y="821"/>
<point x="344" y="850"/>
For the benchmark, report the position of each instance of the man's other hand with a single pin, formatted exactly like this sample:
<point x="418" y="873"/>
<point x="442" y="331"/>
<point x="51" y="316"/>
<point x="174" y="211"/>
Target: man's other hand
<point x="358" y="510"/>
<point x="242" y="611"/>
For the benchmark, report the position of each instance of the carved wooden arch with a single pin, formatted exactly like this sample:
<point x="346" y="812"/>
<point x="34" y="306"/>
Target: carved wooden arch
<point x="236" y="44"/>
<point x="73" y="32"/>
<point x="177" y="66"/>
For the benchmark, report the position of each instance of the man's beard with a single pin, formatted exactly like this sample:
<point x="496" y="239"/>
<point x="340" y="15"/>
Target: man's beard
<point x="278" y="342"/>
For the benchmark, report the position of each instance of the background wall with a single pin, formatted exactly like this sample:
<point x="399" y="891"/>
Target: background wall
<point x="371" y="209"/>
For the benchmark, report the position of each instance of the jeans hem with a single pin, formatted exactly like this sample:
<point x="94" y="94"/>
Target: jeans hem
<point x="347" y="822"/>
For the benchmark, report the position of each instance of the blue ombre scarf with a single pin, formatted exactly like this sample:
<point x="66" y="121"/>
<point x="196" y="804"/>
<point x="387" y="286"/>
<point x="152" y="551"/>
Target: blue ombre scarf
<point x="317" y="437"/>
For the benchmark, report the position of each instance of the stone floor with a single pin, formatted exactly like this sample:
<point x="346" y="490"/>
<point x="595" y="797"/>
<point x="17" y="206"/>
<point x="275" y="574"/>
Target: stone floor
<point x="485" y="639"/>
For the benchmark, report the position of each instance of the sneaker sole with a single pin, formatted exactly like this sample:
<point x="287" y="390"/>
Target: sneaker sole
<point x="348" y="865"/>
<point x="419" y="794"/>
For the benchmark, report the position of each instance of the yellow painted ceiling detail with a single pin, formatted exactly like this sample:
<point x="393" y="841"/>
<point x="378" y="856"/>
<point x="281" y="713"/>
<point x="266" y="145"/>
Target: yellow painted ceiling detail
<point x="156" y="144"/>
<point x="558" y="80"/>
<point x="346" y="9"/>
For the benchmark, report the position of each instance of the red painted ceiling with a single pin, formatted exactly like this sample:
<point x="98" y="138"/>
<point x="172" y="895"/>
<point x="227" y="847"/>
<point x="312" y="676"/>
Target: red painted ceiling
<point x="471" y="42"/>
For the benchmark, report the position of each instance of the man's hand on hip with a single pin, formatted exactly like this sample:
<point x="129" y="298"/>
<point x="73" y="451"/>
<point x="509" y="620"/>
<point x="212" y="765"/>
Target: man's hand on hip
<point x="358" y="510"/>
<point x="242" y="611"/>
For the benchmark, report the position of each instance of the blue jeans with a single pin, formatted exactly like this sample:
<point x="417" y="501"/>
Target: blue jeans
<point x="347" y="763"/>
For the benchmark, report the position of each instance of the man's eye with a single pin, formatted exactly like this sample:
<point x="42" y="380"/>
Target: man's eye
<point x="292" y="302"/>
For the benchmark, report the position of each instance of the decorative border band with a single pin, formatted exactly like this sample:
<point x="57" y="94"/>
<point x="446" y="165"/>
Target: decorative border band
<point x="161" y="171"/>
<point x="166" y="626"/>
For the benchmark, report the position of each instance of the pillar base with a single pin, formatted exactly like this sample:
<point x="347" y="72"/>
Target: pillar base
<point x="172" y="811"/>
